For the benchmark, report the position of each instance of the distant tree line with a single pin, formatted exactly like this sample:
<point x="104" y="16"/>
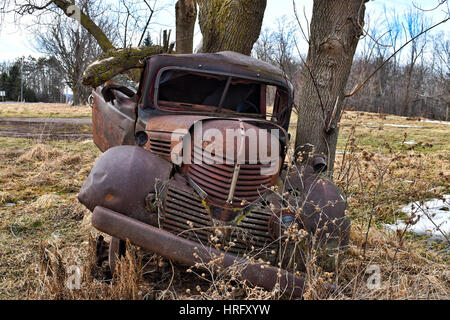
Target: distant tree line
<point x="418" y="86"/>
<point x="414" y="82"/>
<point x="32" y="79"/>
<point x="44" y="79"/>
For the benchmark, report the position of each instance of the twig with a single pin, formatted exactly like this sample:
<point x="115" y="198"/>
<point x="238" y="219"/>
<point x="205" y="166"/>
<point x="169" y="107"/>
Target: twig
<point x="437" y="227"/>
<point x="171" y="280"/>
<point x="441" y="2"/>
<point x="357" y="88"/>
<point x="12" y="231"/>
<point x="148" y="21"/>
<point x="299" y="24"/>
<point x="333" y="114"/>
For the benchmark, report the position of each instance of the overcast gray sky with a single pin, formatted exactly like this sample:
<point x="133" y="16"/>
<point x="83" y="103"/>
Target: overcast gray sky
<point x="16" y="41"/>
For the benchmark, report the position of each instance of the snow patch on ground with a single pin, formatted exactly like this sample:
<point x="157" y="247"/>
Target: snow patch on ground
<point x="434" y="218"/>
<point x="436" y="121"/>
<point x="395" y="125"/>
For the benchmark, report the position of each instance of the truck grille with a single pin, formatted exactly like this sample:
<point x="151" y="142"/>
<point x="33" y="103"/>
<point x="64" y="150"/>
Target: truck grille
<point x="215" y="179"/>
<point x="184" y="211"/>
<point x="159" y="143"/>
<point x="252" y="235"/>
<point x="185" y="216"/>
<point x="160" y="147"/>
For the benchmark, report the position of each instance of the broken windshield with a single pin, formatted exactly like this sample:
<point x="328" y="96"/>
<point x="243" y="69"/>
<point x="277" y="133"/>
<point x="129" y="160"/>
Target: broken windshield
<point x="179" y="89"/>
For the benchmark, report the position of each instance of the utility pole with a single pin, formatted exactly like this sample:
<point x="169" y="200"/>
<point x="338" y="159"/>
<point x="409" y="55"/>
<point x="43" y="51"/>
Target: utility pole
<point x="21" y="80"/>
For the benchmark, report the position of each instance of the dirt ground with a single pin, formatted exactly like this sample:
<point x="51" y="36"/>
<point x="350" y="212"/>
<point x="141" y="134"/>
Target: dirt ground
<point x="45" y="121"/>
<point x="46" y="128"/>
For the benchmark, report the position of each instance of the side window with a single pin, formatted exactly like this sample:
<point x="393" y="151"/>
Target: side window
<point x="270" y="101"/>
<point x="143" y="82"/>
<point x="280" y="110"/>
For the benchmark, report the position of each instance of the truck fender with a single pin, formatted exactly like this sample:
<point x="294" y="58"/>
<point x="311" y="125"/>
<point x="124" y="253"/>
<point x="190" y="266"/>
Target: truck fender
<point x="122" y="179"/>
<point x="322" y="204"/>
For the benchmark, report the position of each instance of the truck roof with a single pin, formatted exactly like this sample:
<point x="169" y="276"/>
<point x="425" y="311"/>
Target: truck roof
<point x="225" y="62"/>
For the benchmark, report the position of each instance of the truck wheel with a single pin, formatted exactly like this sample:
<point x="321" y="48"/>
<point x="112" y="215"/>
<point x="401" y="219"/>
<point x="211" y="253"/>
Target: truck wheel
<point x="117" y="249"/>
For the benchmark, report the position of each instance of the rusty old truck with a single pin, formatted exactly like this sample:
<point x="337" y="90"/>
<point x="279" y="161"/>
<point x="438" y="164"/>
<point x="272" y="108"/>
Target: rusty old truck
<point x="195" y="168"/>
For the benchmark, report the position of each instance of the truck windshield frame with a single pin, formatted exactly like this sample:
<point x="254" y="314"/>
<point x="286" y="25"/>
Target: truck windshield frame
<point x="180" y="107"/>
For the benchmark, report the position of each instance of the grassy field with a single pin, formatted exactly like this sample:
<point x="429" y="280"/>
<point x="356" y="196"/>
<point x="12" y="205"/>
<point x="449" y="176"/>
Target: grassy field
<point x="44" y="229"/>
<point x="43" y="110"/>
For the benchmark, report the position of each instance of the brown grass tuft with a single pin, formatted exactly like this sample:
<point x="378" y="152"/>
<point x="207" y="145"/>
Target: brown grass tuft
<point x="40" y="152"/>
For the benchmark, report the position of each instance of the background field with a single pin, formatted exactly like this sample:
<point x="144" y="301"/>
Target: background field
<point x="41" y="110"/>
<point x="383" y="163"/>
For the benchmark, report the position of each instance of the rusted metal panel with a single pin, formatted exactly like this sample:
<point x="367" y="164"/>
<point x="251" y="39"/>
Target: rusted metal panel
<point x="160" y="130"/>
<point x="216" y="176"/>
<point x="190" y="253"/>
<point x="121" y="179"/>
<point x="112" y="125"/>
<point x="317" y="191"/>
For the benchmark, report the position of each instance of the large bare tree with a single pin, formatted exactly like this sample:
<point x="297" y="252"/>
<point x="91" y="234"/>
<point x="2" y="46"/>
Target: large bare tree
<point x="335" y="30"/>
<point x="72" y="46"/>
<point x="226" y="25"/>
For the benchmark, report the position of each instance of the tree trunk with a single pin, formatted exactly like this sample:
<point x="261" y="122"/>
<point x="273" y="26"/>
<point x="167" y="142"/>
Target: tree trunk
<point x="230" y="25"/>
<point x="185" y="15"/>
<point x="404" y="111"/>
<point x="118" y="61"/>
<point x="75" y="97"/>
<point x="335" y="29"/>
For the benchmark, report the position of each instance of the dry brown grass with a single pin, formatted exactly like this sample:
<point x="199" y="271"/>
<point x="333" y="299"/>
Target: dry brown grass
<point x="408" y="270"/>
<point x="44" y="110"/>
<point x="44" y="230"/>
<point x="39" y="182"/>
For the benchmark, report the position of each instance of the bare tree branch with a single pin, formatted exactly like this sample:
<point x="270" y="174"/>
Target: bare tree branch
<point x="358" y="87"/>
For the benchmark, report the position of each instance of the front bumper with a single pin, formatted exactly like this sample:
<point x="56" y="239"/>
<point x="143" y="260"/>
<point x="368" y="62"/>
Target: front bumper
<point x="191" y="253"/>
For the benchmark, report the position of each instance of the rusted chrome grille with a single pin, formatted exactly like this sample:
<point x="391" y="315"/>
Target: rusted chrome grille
<point x="215" y="179"/>
<point x="159" y="146"/>
<point x="252" y="235"/>
<point x="184" y="211"/>
<point x="184" y="215"/>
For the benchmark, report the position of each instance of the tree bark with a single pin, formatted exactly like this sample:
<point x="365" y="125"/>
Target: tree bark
<point x="185" y="15"/>
<point x="117" y="61"/>
<point x="404" y="110"/>
<point x="75" y="96"/>
<point x="230" y="25"/>
<point x="335" y="30"/>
